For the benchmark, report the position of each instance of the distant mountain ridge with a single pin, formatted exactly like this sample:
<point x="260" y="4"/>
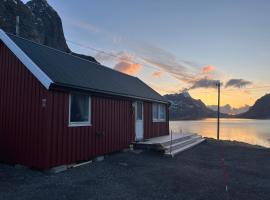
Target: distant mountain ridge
<point x="184" y="107"/>
<point x="260" y="110"/>
<point x="229" y="109"/>
<point x="39" y="22"/>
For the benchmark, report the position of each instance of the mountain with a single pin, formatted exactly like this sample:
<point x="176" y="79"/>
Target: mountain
<point x="184" y="107"/>
<point x="260" y="110"/>
<point x="229" y="109"/>
<point x="39" y="22"/>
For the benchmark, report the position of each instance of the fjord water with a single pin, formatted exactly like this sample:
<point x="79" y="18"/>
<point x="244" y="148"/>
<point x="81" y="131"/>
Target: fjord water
<point x="250" y="131"/>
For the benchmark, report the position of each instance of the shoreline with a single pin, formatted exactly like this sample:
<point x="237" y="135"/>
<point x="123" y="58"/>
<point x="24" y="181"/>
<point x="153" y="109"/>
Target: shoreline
<point x="200" y="119"/>
<point x="236" y="143"/>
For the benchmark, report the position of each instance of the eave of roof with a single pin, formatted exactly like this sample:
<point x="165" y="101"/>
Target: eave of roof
<point x="92" y="90"/>
<point x="48" y="83"/>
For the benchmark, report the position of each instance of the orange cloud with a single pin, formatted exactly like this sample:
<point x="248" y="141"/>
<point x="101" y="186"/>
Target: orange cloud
<point x="157" y="74"/>
<point x="128" y="68"/>
<point x="208" y="69"/>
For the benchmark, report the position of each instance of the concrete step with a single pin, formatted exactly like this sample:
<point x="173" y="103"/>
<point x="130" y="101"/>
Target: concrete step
<point x="185" y="147"/>
<point x="177" y="140"/>
<point x="180" y="144"/>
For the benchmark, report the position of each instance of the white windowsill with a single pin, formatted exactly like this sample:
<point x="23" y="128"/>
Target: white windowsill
<point x="159" y="120"/>
<point x="78" y="124"/>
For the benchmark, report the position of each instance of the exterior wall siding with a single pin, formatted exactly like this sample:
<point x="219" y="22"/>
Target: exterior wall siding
<point x="21" y="113"/>
<point x="154" y="129"/>
<point x="112" y="129"/>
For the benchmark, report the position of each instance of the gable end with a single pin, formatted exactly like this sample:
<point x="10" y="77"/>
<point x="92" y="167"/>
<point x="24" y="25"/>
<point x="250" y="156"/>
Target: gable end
<point x="28" y="63"/>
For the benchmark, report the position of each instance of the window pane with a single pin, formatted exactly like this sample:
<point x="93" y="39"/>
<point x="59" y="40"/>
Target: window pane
<point x="155" y="111"/>
<point x="139" y="110"/>
<point x="79" y="110"/>
<point x="162" y="113"/>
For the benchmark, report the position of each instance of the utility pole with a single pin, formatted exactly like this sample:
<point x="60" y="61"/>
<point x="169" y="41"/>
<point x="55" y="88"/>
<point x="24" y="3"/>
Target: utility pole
<point x="218" y="113"/>
<point x="17" y="25"/>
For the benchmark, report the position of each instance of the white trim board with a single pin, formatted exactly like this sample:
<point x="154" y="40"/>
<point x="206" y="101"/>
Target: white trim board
<point x="28" y="63"/>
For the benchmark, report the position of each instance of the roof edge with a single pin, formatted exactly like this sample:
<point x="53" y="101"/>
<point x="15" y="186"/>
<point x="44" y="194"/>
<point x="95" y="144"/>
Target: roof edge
<point x="28" y="63"/>
<point x="70" y="87"/>
<point x="70" y="54"/>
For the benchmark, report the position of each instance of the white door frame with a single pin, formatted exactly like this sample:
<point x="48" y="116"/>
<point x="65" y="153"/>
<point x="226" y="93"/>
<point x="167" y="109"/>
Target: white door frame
<point x="139" y="124"/>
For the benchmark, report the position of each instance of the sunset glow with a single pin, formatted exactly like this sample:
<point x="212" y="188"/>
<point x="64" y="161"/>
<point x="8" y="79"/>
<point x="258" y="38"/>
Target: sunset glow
<point x="193" y="51"/>
<point x="208" y="69"/>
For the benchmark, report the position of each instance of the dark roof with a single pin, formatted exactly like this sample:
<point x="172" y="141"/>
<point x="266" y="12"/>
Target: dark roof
<point x="74" y="72"/>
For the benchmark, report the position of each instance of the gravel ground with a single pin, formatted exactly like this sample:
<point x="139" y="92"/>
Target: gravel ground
<point x="193" y="174"/>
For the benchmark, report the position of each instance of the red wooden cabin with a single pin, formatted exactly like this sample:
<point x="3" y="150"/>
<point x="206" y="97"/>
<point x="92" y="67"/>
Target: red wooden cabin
<point x="57" y="109"/>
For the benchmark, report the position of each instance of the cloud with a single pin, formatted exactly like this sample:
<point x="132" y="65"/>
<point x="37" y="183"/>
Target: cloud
<point x="157" y="74"/>
<point x="105" y="56"/>
<point x="126" y="64"/>
<point x="247" y="92"/>
<point x="162" y="61"/>
<point x="84" y="25"/>
<point x="208" y="82"/>
<point x="165" y="61"/>
<point x="237" y="83"/>
<point x="117" y="39"/>
<point x="169" y="89"/>
<point x="128" y="68"/>
<point x="204" y="83"/>
<point x="208" y="69"/>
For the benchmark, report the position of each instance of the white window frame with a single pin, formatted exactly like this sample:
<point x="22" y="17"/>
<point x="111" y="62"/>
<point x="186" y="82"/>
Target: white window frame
<point x="159" y="109"/>
<point x="77" y="124"/>
<point x="159" y="112"/>
<point x="153" y="117"/>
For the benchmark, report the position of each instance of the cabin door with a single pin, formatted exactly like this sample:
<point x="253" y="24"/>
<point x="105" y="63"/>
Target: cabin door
<point x="138" y="105"/>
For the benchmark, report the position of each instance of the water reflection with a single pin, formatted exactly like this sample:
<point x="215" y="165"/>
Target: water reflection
<point x="244" y="130"/>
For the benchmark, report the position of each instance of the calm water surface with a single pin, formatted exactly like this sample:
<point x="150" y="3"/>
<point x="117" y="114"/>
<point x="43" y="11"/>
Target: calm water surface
<point x="243" y="130"/>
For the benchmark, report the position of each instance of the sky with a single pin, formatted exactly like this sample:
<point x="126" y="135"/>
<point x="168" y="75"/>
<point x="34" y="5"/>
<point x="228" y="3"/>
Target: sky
<point x="178" y="45"/>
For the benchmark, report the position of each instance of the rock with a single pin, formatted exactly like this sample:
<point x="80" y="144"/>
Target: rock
<point x="39" y="22"/>
<point x="260" y="110"/>
<point x="99" y="158"/>
<point x="57" y="169"/>
<point x="48" y="25"/>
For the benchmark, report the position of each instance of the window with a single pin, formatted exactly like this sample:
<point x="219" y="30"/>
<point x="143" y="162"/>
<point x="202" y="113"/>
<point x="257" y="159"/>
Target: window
<point x="155" y="111"/>
<point x="79" y="110"/>
<point x="159" y="112"/>
<point x="139" y="111"/>
<point x="162" y="112"/>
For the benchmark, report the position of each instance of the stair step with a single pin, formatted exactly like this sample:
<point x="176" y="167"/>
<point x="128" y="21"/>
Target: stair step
<point x="180" y="144"/>
<point x="178" y="140"/>
<point x="175" y="152"/>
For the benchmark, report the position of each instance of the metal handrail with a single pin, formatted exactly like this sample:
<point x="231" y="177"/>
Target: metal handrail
<point x="171" y="143"/>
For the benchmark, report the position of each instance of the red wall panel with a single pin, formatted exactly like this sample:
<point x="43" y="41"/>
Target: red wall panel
<point x="111" y="117"/>
<point x="21" y="112"/>
<point x="153" y="129"/>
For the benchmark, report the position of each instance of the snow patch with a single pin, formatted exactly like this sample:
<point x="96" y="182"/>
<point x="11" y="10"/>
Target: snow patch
<point x="186" y="95"/>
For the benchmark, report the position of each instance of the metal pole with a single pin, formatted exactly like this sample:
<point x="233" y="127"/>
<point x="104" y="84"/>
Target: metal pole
<point x="17" y="25"/>
<point x="171" y="143"/>
<point x="218" y="113"/>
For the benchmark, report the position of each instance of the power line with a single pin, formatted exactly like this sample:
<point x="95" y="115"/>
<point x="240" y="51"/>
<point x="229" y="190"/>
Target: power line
<point x="112" y="55"/>
<point x="154" y="67"/>
<point x="145" y="64"/>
